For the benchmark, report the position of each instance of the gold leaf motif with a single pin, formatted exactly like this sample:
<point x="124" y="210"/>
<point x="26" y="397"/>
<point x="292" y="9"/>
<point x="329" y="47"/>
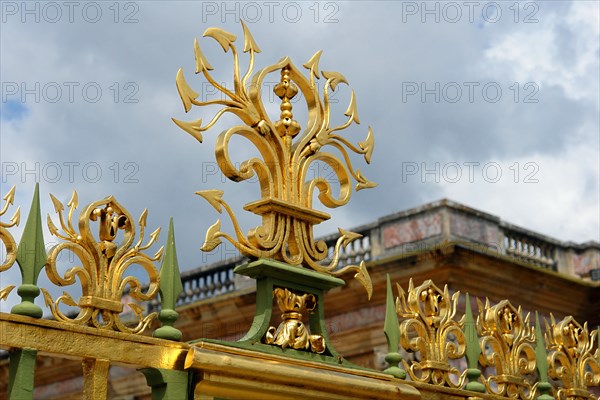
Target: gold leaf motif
<point x="6" y="291"/>
<point x="334" y="78"/>
<point x="313" y="65"/>
<point x="367" y="146"/>
<point x="58" y="206"/>
<point x="7" y="238"/>
<point x="351" y="111"/>
<point x="214" y="198"/>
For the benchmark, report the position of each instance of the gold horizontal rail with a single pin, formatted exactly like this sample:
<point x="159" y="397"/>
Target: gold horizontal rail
<point x="73" y="341"/>
<point x="233" y="372"/>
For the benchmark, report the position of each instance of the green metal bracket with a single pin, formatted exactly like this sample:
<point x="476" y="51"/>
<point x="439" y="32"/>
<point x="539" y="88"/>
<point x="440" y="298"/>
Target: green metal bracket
<point x="391" y="329"/>
<point x="31" y="257"/>
<point x="169" y="288"/>
<point x="473" y="350"/>
<point x="168" y="384"/>
<point x="271" y="274"/>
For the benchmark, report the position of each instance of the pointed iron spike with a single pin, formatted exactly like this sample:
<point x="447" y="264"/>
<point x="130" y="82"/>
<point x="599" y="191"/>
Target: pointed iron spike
<point x="31" y="258"/>
<point x="473" y="349"/>
<point x="169" y="288"/>
<point x="31" y="253"/>
<point x="411" y="287"/>
<point x="391" y="327"/>
<point x="540" y="351"/>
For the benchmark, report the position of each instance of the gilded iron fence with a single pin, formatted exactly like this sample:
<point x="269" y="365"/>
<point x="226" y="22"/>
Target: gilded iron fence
<point x="506" y="354"/>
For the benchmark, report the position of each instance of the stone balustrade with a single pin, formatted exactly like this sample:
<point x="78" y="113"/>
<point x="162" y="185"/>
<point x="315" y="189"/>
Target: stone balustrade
<point x="431" y="226"/>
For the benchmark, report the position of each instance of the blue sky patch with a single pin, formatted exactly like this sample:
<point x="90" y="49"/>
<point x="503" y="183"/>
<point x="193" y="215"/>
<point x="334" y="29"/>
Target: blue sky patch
<point x="12" y="110"/>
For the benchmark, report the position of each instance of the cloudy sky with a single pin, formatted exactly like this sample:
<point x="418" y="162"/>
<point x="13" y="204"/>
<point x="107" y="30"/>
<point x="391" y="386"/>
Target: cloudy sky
<point x="491" y="104"/>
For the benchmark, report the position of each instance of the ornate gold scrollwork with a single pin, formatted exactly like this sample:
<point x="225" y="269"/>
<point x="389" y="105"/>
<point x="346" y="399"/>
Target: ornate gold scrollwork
<point x="570" y="358"/>
<point x="287" y="157"/>
<point x="292" y="332"/>
<point x="103" y="264"/>
<point x="506" y="341"/>
<point x="428" y="326"/>
<point x="7" y="239"/>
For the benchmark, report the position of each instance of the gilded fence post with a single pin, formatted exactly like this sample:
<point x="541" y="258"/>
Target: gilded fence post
<point x="168" y="384"/>
<point x="95" y="379"/>
<point x="473" y="351"/>
<point x="31" y="257"/>
<point x="391" y="329"/>
<point x="21" y="370"/>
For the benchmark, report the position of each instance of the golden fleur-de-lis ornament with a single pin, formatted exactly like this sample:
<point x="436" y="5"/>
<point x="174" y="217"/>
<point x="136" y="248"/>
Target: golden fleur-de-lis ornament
<point x="288" y="151"/>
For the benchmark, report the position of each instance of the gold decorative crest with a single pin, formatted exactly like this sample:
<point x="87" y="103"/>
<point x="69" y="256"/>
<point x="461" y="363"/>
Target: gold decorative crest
<point x="571" y="360"/>
<point x="7" y="239"/>
<point x="506" y="341"/>
<point x="428" y="326"/>
<point x="103" y="264"/>
<point x="287" y="154"/>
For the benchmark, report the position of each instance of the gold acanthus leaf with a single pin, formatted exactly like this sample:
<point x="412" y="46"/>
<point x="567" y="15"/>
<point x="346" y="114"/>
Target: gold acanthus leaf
<point x="194" y="128"/>
<point x="249" y="43"/>
<point x="202" y="63"/>
<point x="352" y="111"/>
<point x="214" y="198"/>
<point x="186" y="93"/>
<point x="212" y="240"/>
<point x="367" y="145"/>
<point x="224" y="38"/>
